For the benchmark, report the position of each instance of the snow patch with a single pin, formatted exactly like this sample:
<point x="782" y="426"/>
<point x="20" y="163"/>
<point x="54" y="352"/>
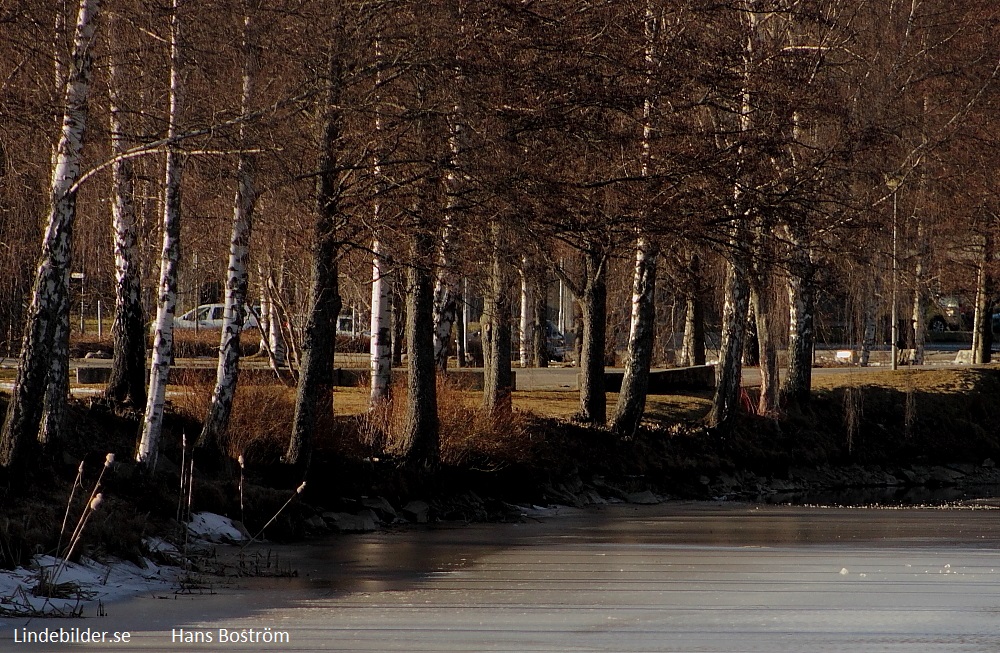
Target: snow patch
<point x="216" y="528"/>
<point x="87" y="584"/>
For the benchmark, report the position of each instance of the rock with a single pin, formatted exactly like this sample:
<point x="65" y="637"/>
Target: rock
<point x="345" y="522"/>
<point x="316" y="524"/>
<point x="417" y="511"/>
<point x="381" y="507"/>
<point x="891" y="480"/>
<point x="945" y="476"/>
<point x="561" y="496"/>
<point x="781" y="485"/>
<point x="645" y="498"/>
<point x="608" y="490"/>
<point x="989" y="463"/>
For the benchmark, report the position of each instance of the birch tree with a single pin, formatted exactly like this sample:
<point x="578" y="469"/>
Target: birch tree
<point x="452" y="179"/>
<point x="497" y="374"/>
<point x="127" y="385"/>
<point x="638" y="359"/>
<point x="57" y="387"/>
<point x="693" y="339"/>
<point x="170" y="254"/>
<point x="729" y="373"/>
<point x="237" y="280"/>
<point x="24" y="410"/>
<point x="381" y="318"/>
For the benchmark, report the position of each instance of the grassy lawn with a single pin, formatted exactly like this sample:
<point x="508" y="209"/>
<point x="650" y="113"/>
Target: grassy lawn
<point x="552" y="403"/>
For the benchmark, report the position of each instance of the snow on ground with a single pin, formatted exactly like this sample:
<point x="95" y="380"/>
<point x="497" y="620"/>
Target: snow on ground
<point x="94" y="583"/>
<point x="215" y="528"/>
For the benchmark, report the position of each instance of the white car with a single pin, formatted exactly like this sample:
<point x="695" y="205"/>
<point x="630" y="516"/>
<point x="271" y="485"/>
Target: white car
<point x="210" y="316"/>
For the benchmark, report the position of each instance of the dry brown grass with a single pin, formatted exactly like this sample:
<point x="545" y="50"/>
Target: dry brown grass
<point x="259" y="424"/>
<point x="946" y="381"/>
<point x="262" y="417"/>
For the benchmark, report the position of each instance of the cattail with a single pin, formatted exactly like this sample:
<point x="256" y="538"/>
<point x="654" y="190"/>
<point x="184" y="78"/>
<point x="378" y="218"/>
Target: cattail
<point x="241" y="461"/>
<point x="298" y="491"/>
<point x="69" y="504"/>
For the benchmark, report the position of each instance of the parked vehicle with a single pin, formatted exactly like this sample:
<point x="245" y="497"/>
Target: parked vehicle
<point x="211" y="316"/>
<point x="947" y="314"/>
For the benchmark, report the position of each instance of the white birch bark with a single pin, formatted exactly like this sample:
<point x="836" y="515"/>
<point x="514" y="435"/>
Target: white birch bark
<point x="237" y="278"/>
<point x="446" y="281"/>
<point x="57" y="387"/>
<point x="380" y="360"/>
<point x="760" y="300"/>
<point x="271" y="340"/>
<point x="982" y="319"/>
<point x="163" y="340"/>
<point x="737" y="292"/>
<point x="25" y="407"/>
<point x="638" y="359"/>
<point x="527" y="308"/>
<point x="693" y="341"/>
<point x="801" y="313"/>
<point x="381" y="328"/>
<point x="445" y="291"/>
<point x="635" y="381"/>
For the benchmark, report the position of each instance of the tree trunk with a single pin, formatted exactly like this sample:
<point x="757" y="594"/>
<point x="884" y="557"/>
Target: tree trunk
<point x="525" y="331"/>
<point x="57" y="388"/>
<point x="314" y="395"/>
<point x="751" y="343"/>
<point x="398" y="323"/>
<point x="170" y="256"/>
<point x="420" y="439"/>
<point x="540" y="323"/>
<point x="460" y="329"/>
<point x="919" y="295"/>
<point x="127" y="385"/>
<point x="982" y="321"/>
<point x="729" y="375"/>
<point x="381" y="338"/>
<point x="693" y="343"/>
<point x="635" y="382"/>
<point x="24" y="411"/>
<point x="797" y="387"/>
<point x="593" y="305"/>
<point x="497" y="374"/>
<point x="313" y="400"/>
<point x="272" y="341"/>
<point x="760" y="299"/>
<point x="238" y="278"/>
<point x="444" y="286"/>
<point x="869" y="319"/>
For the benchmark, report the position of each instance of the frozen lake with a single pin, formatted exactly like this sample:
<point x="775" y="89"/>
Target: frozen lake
<point x="675" y="577"/>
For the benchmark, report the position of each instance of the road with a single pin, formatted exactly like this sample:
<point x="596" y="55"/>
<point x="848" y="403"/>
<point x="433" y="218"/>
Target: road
<point x="714" y="578"/>
<point x="554" y="378"/>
